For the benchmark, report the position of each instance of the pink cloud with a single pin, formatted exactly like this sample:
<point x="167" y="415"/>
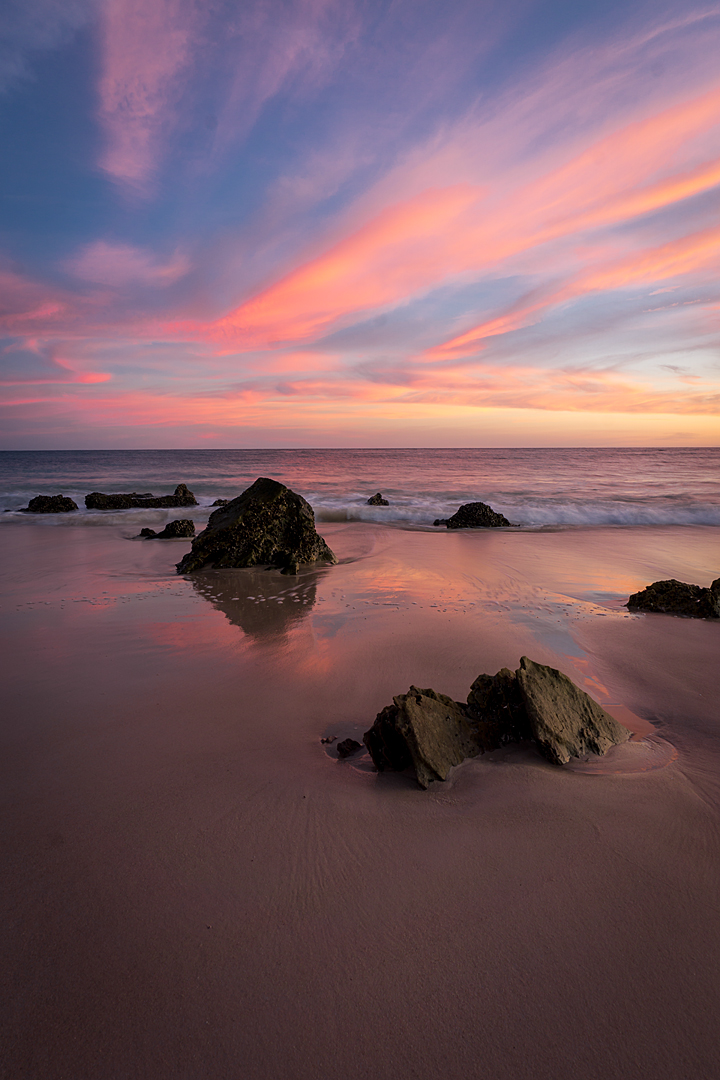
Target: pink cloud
<point x="146" y="46"/>
<point x="122" y="264"/>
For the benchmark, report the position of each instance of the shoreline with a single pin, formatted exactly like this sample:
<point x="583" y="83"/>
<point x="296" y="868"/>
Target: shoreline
<point x="196" y="887"/>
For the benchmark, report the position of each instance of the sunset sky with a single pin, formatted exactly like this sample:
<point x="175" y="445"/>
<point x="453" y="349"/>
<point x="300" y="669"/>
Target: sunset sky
<point x="279" y="223"/>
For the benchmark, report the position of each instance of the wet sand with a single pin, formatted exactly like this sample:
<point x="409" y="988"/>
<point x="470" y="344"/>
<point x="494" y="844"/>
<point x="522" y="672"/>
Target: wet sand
<point x="194" y="886"/>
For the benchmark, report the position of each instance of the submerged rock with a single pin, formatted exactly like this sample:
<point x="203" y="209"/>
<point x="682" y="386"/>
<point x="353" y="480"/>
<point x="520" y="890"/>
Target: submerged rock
<point x="430" y="732"/>
<point x="678" y="598"/>
<point x="182" y="496"/>
<point x="422" y="729"/>
<point x="565" y="721"/>
<point x="50" y="504"/>
<point x="267" y="525"/>
<point x="182" y="528"/>
<point x="377" y="500"/>
<point x="476" y="515"/>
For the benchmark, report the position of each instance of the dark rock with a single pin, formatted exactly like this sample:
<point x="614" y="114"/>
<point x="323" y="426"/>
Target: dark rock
<point x="348" y="747"/>
<point x="50" y="504"/>
<point x="497" y="710"/>
<point x="221" y="502"/>
<point x="377" y="500"/>
<point x="131" y="500"/>
<point x="430" y="732"/>
<point x="441" y="521"/>
<point x="328" y="739"/>
<point x="565" y="721"/>
<point x="182" y="528"/>
<point x="476" y="515"/>
<point x="422" y="729"/>
<point x="677" y="598"/>
<point x="267" y="524"/>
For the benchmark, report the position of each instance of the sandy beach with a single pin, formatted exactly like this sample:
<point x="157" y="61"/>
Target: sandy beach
<point x="194" y="886"/>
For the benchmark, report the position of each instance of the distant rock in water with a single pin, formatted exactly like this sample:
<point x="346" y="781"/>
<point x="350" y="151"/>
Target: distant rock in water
<point x="50" y="504"/>
<point x="96" y="500"/>
<point x="377" y="500"/>
<point x="476" y="515"/>
<point x="221" y="502"/>
<point x="182" y="528"/>
<point x="267" y="525"/>
<point x="430" y="732"/>
<point x="677" y="598"/>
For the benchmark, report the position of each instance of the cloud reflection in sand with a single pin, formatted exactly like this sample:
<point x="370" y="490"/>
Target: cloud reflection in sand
<point x="263" y="603"/>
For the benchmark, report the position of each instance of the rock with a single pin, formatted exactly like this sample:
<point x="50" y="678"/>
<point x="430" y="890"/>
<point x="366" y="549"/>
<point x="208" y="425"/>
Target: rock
<point x="475" y="515"/>
<point x="377" y="500"/>
<point x="423" y="729"/>
<point x="677" y="598"/>
<point x="267" y="525"/>
<point x="497" y="710"/>
<point x="430" y="732"/>
<point x="50" y="504"/>
<point x="327" y="739"/>
<point x="221" y="502"/>
<point x="441" y="521"/>
<point x="564" y="720"/>
<point x="348" y="747"/>
<point x="131" y="500"/>
<point x="182" y="528"/>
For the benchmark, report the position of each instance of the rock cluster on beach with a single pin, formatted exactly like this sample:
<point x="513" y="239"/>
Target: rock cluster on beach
<point x="182" y="496"/>
<point x="182" y="528"/>
<point x="267" y="525"/>
<point x="678" y="598"/>
<point x="475" y="515"/>
<point x="430" y="732"/>
<point x="50" y="504"/>
<point x="377" y="500"/>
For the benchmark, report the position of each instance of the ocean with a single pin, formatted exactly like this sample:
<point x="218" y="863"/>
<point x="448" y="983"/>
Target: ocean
<point x="534" y="488"/>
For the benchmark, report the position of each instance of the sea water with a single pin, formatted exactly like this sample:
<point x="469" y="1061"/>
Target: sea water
<point x="533" y="487"/>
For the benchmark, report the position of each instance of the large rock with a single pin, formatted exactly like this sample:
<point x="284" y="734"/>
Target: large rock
<point x="182" y="528"/>
<point x="476" y="515"/>
<point x="430" y="732"/>
<point x="422" y="729"/>
<point x="96" y="500"/>
<point x="497" y="710"/>
<point x="267" y="525"/>
<point x="50" y="504"/>
<point x="564" y="720"/>
<point x="677" y="598"/>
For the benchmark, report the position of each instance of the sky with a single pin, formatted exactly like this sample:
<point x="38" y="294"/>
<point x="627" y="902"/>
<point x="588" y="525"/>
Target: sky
<point x="279" y="223"/>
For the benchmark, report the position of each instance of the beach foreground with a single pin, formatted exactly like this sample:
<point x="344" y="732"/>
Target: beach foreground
<point x="194" y="886"/>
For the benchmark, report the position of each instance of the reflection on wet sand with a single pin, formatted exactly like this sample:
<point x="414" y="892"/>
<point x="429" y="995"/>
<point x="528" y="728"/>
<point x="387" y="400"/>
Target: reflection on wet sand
<point x="263" y="603"/>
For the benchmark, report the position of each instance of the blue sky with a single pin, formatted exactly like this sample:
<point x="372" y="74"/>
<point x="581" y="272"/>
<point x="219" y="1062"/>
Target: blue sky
<point x="323" y="223"/>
